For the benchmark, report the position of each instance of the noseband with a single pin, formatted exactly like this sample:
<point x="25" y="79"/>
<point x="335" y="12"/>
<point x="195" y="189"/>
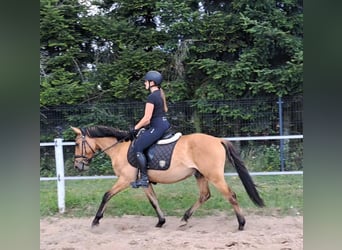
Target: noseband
<point x="84" y="151"/>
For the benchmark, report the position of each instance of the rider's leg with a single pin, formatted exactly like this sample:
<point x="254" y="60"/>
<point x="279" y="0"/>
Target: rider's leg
<point x="143" y="181"/>
<point x="143" y="141"/>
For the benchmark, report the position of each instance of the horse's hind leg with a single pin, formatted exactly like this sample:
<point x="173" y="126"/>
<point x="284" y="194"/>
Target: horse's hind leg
<point x="152" y="197"/>
<point x="227" y="193"/>
<point x="203" y="186"/>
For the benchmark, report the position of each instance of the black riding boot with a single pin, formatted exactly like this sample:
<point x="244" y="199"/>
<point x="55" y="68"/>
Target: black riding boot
<point x="143" y="181"/>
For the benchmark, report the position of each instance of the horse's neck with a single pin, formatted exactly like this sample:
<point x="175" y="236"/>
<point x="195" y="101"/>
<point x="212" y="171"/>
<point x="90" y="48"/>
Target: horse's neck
<point x="109" y="145"/>
<point x="104" y="143"/>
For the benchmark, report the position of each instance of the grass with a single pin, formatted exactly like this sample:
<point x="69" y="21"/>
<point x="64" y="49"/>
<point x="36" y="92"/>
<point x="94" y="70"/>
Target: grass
<point x="283" y="195"/>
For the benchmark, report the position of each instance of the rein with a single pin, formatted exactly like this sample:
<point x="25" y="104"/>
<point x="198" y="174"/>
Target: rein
<point x="95" y="154"/>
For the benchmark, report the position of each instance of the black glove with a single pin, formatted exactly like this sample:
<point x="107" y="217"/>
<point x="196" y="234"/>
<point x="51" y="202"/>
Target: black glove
<point x="132" y="133"/>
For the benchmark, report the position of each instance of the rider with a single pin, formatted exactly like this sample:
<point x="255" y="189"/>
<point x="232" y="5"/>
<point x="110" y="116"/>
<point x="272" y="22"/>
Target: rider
<point x="154" y="116"/>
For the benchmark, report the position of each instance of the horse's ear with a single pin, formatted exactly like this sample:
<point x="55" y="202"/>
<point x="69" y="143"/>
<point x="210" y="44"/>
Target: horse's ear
<point x="76" y="130"/>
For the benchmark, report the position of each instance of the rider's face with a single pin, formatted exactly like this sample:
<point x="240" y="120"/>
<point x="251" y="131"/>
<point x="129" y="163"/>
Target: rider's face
<point x="147" y="84"/>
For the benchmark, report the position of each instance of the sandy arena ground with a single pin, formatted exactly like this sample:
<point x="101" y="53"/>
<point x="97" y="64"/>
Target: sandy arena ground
<point x="138" y="232"/>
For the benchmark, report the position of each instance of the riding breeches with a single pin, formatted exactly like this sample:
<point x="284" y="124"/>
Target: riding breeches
<point x="156" y="130"/>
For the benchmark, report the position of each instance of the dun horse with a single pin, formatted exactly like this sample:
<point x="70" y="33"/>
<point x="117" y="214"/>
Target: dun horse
<point x="199" y="155"/>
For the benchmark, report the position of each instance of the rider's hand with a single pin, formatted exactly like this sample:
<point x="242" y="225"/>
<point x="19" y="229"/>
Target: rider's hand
<point x="133" y="133"/>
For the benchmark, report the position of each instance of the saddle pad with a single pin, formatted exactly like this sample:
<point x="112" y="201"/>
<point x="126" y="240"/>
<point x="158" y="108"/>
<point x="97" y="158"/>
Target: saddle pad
<point x="173" y="138"/>
<point x="158" y="156"/>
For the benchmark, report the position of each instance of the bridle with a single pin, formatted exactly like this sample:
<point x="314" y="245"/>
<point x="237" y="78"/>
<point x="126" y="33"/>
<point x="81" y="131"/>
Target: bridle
<point x="85" y="160"/>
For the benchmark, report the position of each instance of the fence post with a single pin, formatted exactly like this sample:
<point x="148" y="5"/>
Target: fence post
<point x="280" y="108"/>
<point x="60" y="174"/>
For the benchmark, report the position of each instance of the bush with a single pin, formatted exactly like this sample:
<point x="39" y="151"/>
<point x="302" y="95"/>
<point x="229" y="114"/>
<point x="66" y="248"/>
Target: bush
<point x="266" y="157"/>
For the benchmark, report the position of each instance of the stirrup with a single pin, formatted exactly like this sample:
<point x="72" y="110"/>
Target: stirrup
<point x="140" y="183"/>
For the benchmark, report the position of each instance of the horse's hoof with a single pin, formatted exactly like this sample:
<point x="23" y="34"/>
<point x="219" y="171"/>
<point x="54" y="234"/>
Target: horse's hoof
<point x="241" y="221"/>
<point x="95" y="224"/>
<point x="160" y="223"/>
<point x="184" y="223"/>
<point x="185" y="218"/>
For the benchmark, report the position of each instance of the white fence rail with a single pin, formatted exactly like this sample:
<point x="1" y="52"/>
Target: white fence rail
<point x="60" y="178"/>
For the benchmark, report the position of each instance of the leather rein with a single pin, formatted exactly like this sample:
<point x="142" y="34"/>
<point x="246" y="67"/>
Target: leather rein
<point x="87" y="160"/>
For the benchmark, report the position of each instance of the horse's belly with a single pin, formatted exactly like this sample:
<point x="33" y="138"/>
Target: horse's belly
<point x="170" y="175"/>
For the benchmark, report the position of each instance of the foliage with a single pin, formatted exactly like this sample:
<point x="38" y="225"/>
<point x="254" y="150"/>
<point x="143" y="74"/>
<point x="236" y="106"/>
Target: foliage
<point x="210" y="53"/>
<point x="63" y="51"/>
<point x="266" y="157"/>
<point x="210" y="50"/>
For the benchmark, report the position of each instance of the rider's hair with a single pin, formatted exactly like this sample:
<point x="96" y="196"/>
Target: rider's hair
<point x="164" y="99"/>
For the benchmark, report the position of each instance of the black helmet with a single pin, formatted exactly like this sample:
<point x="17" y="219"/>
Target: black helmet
<point x="154" y="76"/>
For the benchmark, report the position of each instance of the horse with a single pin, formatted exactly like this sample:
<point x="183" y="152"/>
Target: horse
<point x="200" y="155"/>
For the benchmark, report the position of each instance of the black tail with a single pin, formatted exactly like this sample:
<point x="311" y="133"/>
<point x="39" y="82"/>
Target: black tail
<point x="243" y="173"/>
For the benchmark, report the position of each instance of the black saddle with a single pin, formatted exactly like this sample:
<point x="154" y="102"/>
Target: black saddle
<point x="159" y="154"/>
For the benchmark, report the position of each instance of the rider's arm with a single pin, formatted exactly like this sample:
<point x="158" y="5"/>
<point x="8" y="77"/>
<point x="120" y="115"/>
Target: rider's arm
<point x="147" y="116"/>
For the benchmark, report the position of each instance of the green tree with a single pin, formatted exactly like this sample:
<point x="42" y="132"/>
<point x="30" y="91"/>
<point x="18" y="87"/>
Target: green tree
<point x="63" y="50"/>
<point x="237" y="49"/>
<point x="207" y="51"/>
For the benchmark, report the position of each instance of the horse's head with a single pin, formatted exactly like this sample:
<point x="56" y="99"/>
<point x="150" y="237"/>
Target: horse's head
<point x="84" y="150"/>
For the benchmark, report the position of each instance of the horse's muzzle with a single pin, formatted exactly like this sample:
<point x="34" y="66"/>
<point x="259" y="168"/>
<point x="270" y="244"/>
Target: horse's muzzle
<point x="81" y="166"/>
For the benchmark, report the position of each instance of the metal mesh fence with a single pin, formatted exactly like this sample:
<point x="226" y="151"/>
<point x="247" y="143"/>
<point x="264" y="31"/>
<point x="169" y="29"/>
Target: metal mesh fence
<point x="247" y="117"/>
<point x="231" y="118"/>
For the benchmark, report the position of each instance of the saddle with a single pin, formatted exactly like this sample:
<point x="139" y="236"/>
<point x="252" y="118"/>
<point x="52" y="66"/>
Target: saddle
<point x="159" y="154"/>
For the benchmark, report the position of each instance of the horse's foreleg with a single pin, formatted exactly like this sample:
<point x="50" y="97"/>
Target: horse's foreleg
<point x="152" y="197"/>
<point x="118" y="187"/>
<point x="203" y="186"/>
<point x="99" y="214"/>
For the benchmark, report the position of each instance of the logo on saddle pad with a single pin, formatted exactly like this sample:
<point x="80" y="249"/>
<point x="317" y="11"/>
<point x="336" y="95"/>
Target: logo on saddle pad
<point x="159" y="155"/>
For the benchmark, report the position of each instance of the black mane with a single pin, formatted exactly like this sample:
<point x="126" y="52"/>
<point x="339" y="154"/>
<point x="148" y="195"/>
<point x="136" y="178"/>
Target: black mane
<point x="104" y="131"/>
